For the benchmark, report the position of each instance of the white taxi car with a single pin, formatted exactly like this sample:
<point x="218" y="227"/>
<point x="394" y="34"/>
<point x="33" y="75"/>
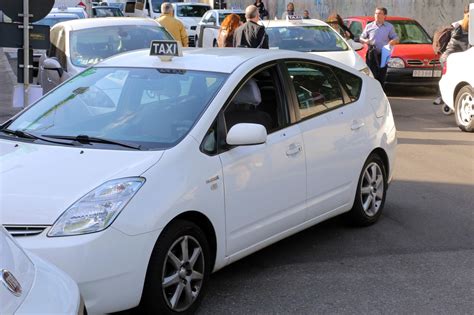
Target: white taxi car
<point x="316" y="37"/>
<point x="30" y="285"/>
<point x="78" y="44"/>
<point x="457" y="83"/>
<point x="147" y="175"/>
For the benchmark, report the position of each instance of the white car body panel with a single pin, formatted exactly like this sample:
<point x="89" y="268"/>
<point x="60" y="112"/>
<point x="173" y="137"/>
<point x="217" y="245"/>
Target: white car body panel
<point x="460" y="72"/>
<point x="210" y="34"/>
<point x="252" y="195"/>
<point x="45" y="288"/>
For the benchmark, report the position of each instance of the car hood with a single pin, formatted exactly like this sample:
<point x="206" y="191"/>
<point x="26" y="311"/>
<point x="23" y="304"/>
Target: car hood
<point x="39" y="182"/>
<point x="190" y="21"/>
<point x="349" y="58"/>
<point x="414" y="51"/>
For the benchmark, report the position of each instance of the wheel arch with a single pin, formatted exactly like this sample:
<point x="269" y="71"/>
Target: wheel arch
<point x="205" y="224"/>
<point x="383" y="155"/>
<point x="458" y="87"/>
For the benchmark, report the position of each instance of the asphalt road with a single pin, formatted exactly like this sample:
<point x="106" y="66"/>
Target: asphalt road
<point x="418" y="259"/>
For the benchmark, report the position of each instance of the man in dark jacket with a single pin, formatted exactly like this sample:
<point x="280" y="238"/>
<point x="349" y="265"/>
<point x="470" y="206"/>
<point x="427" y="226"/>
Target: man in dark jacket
<point x="251" y="34"/>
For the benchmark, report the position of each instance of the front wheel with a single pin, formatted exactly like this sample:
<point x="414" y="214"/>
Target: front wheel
<point x="464" y="109"/>
<point x="178" y="271"/>
<point x="370" y="195"/>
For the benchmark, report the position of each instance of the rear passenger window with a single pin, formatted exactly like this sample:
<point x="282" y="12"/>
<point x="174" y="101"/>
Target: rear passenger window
<point x="316" y="87"/>
<point x="352" y="84"/>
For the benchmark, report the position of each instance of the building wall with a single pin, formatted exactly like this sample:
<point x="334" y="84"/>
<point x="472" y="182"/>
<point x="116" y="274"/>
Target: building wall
<point x="429" y="13"/>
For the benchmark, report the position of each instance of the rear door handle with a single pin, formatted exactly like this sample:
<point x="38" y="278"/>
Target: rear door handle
<point x="357" y="124"/>
<point x="294" y="149"/>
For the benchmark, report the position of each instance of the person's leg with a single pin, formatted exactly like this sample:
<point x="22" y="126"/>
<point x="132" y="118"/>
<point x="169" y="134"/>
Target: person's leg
<point x="439" y="100"/>
<point x="381" y="75"/>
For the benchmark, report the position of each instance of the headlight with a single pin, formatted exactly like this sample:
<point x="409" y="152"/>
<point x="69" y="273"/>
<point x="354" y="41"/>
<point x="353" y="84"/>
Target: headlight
<point x="97" y="210"/>
<point x="395" y="63"/>
<point x="367" y="71"/>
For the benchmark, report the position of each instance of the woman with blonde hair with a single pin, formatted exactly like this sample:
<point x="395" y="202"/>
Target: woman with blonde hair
<point x="225" y="37"/>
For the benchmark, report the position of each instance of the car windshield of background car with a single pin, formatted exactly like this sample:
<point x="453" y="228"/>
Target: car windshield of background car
<point x="306" y="38"/>
<point x="90" y="46"/>
<point x="156" y="4"/>
<point x="54" y="20"/>
<point x="191" y="10"/>
<point x="410" y="32"/>
<point x="107" y="12"/>
<point x="222" y="16"/>
<point x="146" y="107"/>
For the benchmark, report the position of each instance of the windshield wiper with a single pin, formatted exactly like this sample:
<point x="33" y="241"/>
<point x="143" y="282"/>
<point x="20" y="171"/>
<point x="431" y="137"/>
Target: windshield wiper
<point x="88" y="139"/>
<point x="24" y="134"/>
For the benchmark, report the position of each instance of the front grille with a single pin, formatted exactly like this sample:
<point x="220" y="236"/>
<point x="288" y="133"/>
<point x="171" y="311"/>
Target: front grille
<point x="414" y="62"/>
<point x="192" y="42"/>
<point x="435" y="62"/>
<point x="25" y="230"/>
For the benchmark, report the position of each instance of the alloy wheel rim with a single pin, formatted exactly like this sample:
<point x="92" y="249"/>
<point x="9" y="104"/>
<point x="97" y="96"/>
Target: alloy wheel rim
<point x="372" y="189"/>
<point x="466" y="108"/>
<point x="183" y="273"/>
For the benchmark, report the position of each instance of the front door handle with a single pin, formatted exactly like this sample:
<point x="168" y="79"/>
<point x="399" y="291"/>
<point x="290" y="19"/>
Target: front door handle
<point x="294" y="149"/>
<point x="357" y="124"/>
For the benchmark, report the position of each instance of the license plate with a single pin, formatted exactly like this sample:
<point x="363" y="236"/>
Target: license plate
<point x="437" y="73"/>
<point x="423" y="73"/>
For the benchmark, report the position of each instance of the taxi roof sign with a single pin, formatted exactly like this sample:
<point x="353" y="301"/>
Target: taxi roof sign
<point x="165" y="49"/>
<point x="294" y="17"/>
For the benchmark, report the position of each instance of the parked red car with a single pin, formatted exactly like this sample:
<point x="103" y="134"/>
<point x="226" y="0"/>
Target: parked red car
<point x="413" y="61"/>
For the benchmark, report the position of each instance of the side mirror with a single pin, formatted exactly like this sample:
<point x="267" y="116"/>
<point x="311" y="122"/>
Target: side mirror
<point x="53" y="64"/>
<point x="356" y="45"/>
<point x="246" y="134"/>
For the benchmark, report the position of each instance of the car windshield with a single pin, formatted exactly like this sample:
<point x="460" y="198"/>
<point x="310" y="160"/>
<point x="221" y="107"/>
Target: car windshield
<point x="50" y="21"/>
<point x="190" y="10"/>
<point x="149" y="108"/>
<point x="90" y="46"/>
<point x="410" y="32"/>
<point x="222" y="16"/>
<point x="107" y="12"/>
<point x="305" y="38"/>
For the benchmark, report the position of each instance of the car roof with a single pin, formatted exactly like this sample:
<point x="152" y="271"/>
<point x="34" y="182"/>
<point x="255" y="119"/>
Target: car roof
<point x="80" y="24"/>
<point x="70" y="9"/>
<point x="227" y="11"/>
<point x="224" y="60"/>
<point x="190" y="3"/>
<point x="371" y="18"/>
<point x="307" y="22"/>
<point x="60" y="14"/>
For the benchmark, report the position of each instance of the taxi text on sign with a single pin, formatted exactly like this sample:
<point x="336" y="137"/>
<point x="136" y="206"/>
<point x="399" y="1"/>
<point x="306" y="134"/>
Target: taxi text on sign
<point x="165" y="48"/>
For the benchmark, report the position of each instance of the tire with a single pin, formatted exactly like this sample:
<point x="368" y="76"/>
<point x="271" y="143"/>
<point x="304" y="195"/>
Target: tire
<point x="370" y="195"/>
<point x="464" y="109"/>
<point x="185" y="277"/>
<point x="447" y="110"/>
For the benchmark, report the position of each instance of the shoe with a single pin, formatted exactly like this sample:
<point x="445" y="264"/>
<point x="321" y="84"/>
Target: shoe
<point x="438" y="101"/>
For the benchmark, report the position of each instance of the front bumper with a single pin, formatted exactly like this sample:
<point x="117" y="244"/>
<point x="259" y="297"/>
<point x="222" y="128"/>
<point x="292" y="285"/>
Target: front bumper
<point x="108" y="266"/>
<point x="404" y="77"/>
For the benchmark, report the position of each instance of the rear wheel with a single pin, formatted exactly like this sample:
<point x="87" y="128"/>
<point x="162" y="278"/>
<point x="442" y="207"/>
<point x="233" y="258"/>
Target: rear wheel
<point x="370" y="196"/>
<point x="178" y="270"/>
<point x="464" y="109"/>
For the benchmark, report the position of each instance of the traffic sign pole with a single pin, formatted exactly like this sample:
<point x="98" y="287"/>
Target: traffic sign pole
<point x="26" y="48"/>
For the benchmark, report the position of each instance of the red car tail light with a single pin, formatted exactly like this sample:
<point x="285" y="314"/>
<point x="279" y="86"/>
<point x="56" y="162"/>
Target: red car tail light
<point x="445" y="68"/>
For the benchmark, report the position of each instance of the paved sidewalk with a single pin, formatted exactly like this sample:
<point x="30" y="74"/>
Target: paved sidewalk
<point x="7" y="83"/>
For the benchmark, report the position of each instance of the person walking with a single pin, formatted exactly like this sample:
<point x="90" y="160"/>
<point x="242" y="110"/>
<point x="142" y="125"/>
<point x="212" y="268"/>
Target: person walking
<point x="337" y="23"/>
<point x="290" y="10"/>
<point x="376" y="35"/>
<point x="251" y="34"/>
<point x="261" y="9"/>
<point x="174" y="26"/>
<point x="225" y="37"/>
<point x="458" y="42"/>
